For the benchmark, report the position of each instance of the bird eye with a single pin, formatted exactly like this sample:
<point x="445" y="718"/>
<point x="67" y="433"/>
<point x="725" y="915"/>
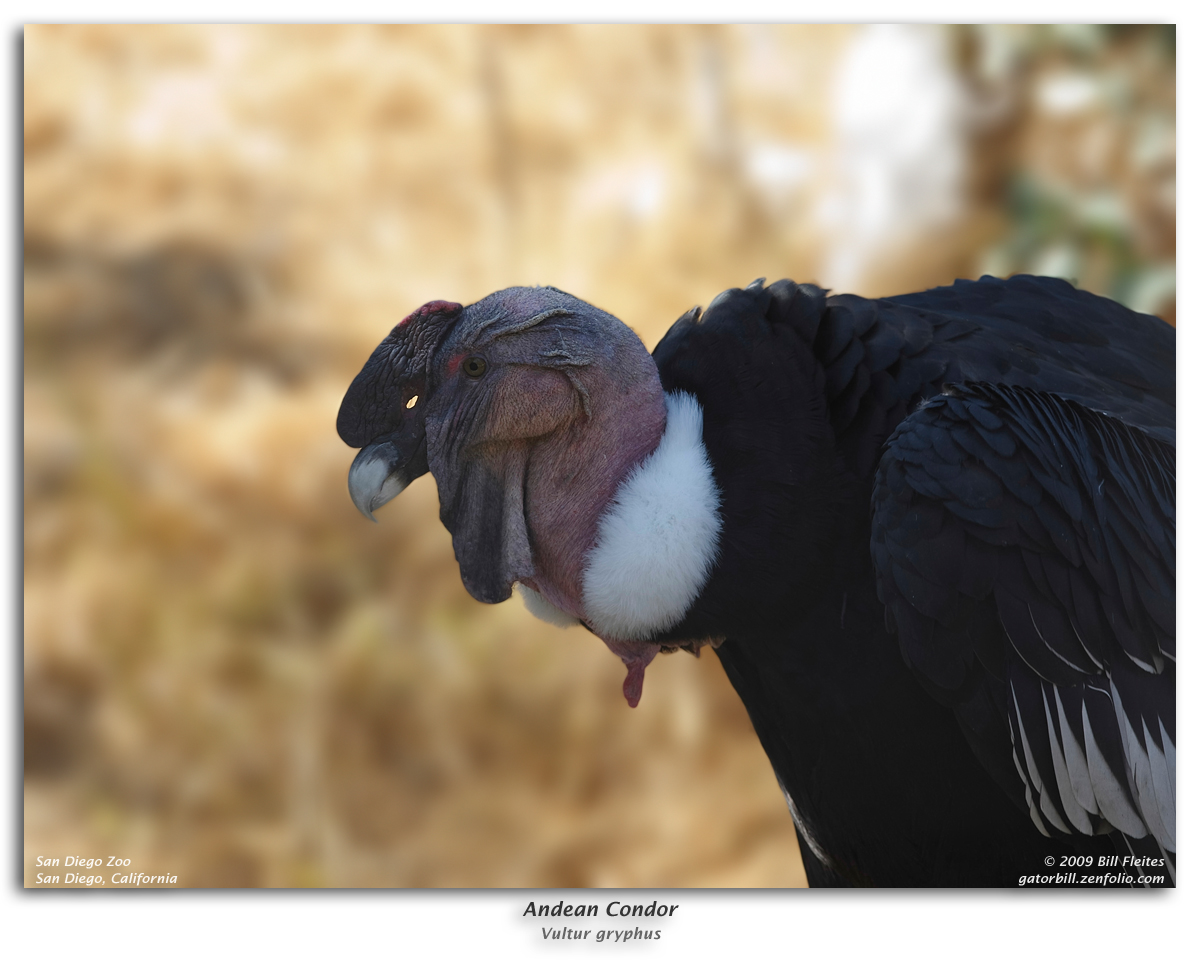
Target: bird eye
<point x="474" y="367"/>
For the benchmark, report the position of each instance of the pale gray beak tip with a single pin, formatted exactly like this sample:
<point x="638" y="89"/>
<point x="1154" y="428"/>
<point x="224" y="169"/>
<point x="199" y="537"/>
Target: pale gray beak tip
<point x="366" y="513"/>
<point x="375" y="478"/>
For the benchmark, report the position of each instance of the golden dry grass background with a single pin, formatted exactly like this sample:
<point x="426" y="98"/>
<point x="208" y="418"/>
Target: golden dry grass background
<point x="229" y="674"/>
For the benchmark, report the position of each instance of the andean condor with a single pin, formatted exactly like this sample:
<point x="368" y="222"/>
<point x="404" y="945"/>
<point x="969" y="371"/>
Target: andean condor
<point x="931" y="537"/>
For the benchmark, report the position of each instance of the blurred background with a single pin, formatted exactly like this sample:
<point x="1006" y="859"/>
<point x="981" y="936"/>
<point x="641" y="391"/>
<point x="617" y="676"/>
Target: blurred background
<point x="231" y="675"/>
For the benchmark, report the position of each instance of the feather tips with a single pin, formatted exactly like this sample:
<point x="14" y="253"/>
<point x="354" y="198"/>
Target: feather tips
<point x="1065" y="523"/>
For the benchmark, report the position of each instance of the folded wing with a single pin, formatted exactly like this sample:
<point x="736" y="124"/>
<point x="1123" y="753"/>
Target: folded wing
<point x="1024" y="548"/>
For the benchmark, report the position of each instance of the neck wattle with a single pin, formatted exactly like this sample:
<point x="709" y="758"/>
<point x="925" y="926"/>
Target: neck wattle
<point x="573" y="477"/>
<point x="655" y="546"/>
<point x="650" y="543"/>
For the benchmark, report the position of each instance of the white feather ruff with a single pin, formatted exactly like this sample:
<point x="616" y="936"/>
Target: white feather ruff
<point x="657" y="540"/>
<point x="543" y="609"/>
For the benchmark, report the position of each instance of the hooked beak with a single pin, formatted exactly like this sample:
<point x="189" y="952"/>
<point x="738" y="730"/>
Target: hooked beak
<point x="380" y="472"/>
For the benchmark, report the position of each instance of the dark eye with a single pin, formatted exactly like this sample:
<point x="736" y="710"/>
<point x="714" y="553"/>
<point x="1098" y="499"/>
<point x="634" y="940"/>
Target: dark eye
<point x="474" y="367"/>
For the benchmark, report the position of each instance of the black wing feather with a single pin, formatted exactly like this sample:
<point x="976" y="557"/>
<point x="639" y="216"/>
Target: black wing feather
<point x="1049" y="529"/>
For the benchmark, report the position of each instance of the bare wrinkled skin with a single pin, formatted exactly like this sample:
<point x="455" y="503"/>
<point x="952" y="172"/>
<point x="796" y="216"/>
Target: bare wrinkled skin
<point x="528" y="453"/>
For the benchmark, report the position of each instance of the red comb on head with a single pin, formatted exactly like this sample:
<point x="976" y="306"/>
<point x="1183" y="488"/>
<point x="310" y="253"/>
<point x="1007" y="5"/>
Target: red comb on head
<point x="432" y="307"/>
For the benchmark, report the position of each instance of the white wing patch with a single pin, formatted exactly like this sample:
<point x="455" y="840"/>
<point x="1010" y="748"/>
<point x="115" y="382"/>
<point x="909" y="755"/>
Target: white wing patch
<point x="1109" y="794"/>
<point x="802" y="827"/>
<point x="1138" y="800"/>
<point x="1081" y="781"/>
<point x="657" y="541"/>
<point x="1071" y="806"/>
<point x="1046" y="804"/>
<point x="1153" y="808"/>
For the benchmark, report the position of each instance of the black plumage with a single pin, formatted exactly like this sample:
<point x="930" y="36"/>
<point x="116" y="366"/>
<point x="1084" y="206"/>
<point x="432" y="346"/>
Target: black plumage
<point x="945" y="587"/>
<point x="945" y="574"/>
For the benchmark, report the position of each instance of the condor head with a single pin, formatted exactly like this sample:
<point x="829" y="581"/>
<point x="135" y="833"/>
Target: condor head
<point x="530" y="408"/>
